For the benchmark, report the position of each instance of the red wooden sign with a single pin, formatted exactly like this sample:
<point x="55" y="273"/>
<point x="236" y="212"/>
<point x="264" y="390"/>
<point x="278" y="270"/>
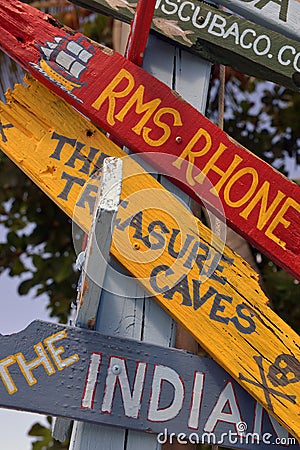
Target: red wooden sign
<point x="259" y="203"/>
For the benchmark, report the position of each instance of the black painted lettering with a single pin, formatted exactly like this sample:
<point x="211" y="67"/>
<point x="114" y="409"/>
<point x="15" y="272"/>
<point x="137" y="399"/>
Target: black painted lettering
<point x="251" y="324"/>
<point x="227" y="260"/>
<point x="201" y="258"/>
<point x="183" y="250"/>
<point x="99" y="162"/>
<point x="137" y="223"/>
<point x="158" y="236"/>
<point x="62" y="140"/>
<point x="217" y="307"/>
<point x="122" y="225"/>
<point x="69" y="184"/>
<point x="77" y="156"/>
<point x="2" y="133"/>
<point x="188" y="263"/>
<point x="153" y="277"/>
<point x="88" y="197"/>
<point x="134" y="221"/>
<point x="197" y="298"/>
<point x="182" y="287"/>
<point x="211" y="268"/>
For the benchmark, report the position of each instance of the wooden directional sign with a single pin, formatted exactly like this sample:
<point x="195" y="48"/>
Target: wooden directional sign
<point x="258" y="202"/>
<point x="282" y="15"/>
<point x="222" y="37"/>
<point x="83" y="375"/>
<point x="169" y="252"/>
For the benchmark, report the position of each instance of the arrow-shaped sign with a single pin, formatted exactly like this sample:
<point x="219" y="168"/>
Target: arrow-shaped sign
<point x="224" y="38"/>
<point x="59" y="370"/>
<point x="258" y="202"/>
<point x="168" y="250"/>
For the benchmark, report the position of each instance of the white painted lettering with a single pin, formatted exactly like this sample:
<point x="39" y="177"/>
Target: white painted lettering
<point x="243" y="35"/>
<point x="258" y="423"/>
<point x="226" y="398"/>
<point x="91" y="381"/>
<point x="258" y="40"/>
<point x="215" y="26"/>
<point x="170" y="3"/>
<point x="198" y="386"/>
<point x="233" y="30"/>
<point x="195" y="18"/>
<point x="155" y="413"/>
<point x="295" y="63"/>
<point x="180" y="11"/>
<point x="280" y="54"/>
<point x="131" y="400"/>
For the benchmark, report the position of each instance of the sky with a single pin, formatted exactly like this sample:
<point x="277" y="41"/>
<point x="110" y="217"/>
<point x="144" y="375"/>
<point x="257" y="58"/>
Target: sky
<point x="17" y="313"/>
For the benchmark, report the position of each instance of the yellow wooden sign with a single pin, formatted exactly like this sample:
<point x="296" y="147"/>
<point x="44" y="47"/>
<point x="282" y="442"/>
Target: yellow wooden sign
<point x="203" y="285"/>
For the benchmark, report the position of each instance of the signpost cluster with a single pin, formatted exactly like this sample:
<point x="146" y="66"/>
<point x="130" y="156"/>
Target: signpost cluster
<point x="175" y="259"/>
<point x="263" y="48"/>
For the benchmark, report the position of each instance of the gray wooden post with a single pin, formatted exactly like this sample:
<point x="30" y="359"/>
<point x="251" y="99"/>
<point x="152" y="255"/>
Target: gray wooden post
<point x="139" y="317"/>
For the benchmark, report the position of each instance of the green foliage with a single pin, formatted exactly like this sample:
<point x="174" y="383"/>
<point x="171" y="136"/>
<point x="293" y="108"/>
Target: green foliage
<point x="38" y="247"/>
<point x="44" y="438"/>
<point x="98" y="28"/>
<point x="265" y="119"/>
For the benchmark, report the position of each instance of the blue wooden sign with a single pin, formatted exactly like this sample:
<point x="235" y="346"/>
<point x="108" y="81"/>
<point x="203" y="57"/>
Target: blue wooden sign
<point x="75" y="373"/>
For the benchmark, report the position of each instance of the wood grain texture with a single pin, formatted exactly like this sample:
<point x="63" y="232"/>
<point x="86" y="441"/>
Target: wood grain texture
<point x="85" y="377"/>
<point x="227" y="313"/>
<point x="126" y="311"/>
<point x="222" y="37"/>
<point x="258" y="202"/>
<point x="99" y="242"/>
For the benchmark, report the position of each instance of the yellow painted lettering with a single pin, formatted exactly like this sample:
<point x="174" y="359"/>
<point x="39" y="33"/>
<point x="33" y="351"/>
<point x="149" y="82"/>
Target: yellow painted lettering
<point x="110" y="94"/>
<point x="191" y="155"/>
<point x="5" y="375"/>
<point x="223" y="174"/>
<point x="148" y="108"/>
<point x="167" y="131"/>
<point x="289" y="202"/>
<point x="234" y="179"/>
<point x="57" y="351"/>
<point x="42" y="359"/>
<point x="265" y="212"/>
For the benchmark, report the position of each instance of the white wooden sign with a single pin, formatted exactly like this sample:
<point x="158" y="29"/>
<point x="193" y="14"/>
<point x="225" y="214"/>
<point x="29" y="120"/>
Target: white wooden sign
<point x="282" y="16"/>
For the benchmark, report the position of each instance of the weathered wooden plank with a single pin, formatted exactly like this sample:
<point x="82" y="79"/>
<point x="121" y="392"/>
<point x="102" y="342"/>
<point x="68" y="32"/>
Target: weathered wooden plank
<point x="222" y="37"/>
<point x="95" y="259"/>
<point x="139" y="32"/>
<point x="258" y="202"/>
<point x="282" y="16"/>
<point x="226" y="311"/>
<point x="55" y="369"/>
<point x="132" y="313"/>
<point x="10" y="74"/>
<point x="99" y="242"/>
